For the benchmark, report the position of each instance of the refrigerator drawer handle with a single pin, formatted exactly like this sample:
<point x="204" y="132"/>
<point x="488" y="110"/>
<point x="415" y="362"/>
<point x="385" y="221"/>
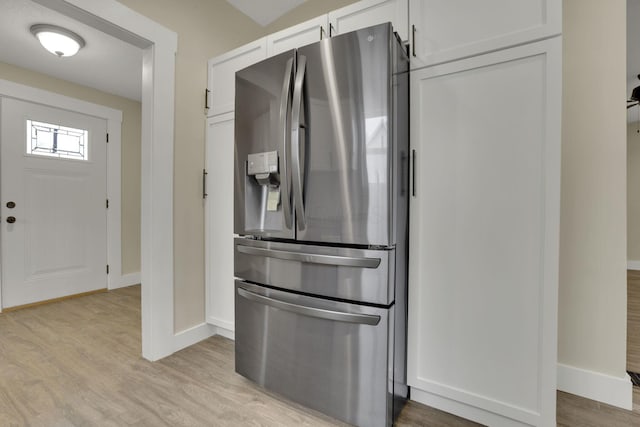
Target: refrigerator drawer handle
<point x="320" y="313"/>
<point x="311" y="258"/>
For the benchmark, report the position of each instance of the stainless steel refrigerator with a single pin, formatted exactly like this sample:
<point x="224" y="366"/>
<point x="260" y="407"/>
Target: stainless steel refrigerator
<point x="321" y="205"/>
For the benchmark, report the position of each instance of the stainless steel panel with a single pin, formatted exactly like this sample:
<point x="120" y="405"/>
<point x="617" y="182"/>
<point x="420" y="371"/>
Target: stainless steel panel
<point x="350" y="274"/>
<point x="312" y="258"/>
<point x="339" y="368"/>
<point x="320" y="313"/>
<point x="347" y="139"/>
<point x="262" y="202"/>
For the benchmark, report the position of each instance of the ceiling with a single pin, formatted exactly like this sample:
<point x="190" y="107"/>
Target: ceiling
<point x="105" y="63"/>
<point x="265" y="12"/>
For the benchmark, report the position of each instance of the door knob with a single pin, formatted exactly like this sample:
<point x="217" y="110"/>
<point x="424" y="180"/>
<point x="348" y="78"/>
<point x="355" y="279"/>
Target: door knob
<point x="11" y="219"/>
<point x="11" y="205"/>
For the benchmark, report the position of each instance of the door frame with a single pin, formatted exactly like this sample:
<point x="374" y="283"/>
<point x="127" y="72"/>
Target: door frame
<point x="159" y="46"/>
<point x="113" y="118"/>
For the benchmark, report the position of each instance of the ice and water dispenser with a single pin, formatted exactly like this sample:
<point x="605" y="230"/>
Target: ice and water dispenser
<point x="263" y="207"/>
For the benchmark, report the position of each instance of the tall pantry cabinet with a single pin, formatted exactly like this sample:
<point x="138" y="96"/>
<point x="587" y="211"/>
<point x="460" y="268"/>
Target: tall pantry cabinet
<point x="484" y="218"/>
<point x="484" y="215"/>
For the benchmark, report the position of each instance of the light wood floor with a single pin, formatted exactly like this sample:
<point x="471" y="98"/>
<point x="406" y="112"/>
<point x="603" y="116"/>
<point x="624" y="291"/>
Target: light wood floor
<point x="77" y="363"/>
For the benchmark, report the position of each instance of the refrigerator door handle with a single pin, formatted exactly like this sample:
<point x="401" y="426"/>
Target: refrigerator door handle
<point x="296" y="128"/>
<point x="285" y="173"/>
<point x="320" y="313"/>
<point x="311" y="258"/>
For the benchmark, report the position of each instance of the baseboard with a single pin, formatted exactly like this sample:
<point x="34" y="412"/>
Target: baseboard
<point x="463" y="410"/>
<point x="127" y="280"/>
<point x="192" y="336"/>
<point x="222" y="323"/>
<point x="227" y="333"/>
<point x="223" y="327"/>
<point x="633" y="265"/>
<point x="592" y="385"/>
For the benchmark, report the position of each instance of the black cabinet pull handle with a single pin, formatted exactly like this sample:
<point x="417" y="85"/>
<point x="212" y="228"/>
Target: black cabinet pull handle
<point x="204" y="183"/>
<point x="413" y="43"/>
<point x="413" y="173"/>
<point x="11" y="219"/>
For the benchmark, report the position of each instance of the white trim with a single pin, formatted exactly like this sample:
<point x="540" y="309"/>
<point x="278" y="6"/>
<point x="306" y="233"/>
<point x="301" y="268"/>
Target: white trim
<point x="198" y="333"/>
<point x="113" y="120"/>
<point x="114" y="212"/>
<point x="158" y="96"/>
<point x="463" y="410"/>
<point x="227" y="333"/>
<point x="615" y="391"/>
<point x="44" y="97"/>
<point x="221" y="323"/>
<point x="126" y="280"/>
<point x="633" y="265"/>
<point x="469" y="405"/>
<point x="193" y="335"/>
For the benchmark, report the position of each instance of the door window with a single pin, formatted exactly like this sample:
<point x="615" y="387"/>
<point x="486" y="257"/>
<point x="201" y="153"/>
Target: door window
<point x="46" y="139"/>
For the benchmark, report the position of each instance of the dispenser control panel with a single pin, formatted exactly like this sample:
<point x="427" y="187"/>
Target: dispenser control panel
<point x="261" y="163"/>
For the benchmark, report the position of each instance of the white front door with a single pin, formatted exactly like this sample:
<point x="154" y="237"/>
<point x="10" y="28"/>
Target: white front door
<point x="53" y="195"/>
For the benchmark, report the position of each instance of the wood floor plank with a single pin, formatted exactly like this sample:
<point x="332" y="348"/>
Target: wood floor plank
<point x="77" y="363"/>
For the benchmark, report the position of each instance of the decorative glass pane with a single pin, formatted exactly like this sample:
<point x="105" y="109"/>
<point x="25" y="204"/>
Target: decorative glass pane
<point x="46" y="139"/>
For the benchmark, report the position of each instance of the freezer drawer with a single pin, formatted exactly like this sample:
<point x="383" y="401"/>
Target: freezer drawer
<point x="330" y="356"/>
<point x="349" y="274"/>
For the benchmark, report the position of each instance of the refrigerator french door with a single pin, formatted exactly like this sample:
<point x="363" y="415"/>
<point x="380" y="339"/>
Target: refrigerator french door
<point x="321" y="183"/>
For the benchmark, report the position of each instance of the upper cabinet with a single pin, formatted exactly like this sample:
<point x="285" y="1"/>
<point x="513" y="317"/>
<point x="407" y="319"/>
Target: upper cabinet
<point x="371" y="12"/>
<point x="298" y="35"/>
<point x="222" y="73"/>
<point x="445" y="30"/>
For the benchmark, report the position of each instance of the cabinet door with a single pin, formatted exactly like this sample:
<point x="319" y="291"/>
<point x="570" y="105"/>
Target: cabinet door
<point x="445" y="30"/>
<point x="298" y="35"/>
<point x="219" y="222"/>
<point x="371" y="12"/>
<point x="484" y="235"/>
<point x="222" y="74"/>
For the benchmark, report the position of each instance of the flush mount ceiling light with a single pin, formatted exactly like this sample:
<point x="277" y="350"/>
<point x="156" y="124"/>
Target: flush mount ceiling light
<point x="57" y="40"/>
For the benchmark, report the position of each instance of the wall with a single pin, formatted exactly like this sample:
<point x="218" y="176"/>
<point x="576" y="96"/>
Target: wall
<point x="130" y="150"/>
<point x="633" y="192"/>
<point x="592" y="295"/>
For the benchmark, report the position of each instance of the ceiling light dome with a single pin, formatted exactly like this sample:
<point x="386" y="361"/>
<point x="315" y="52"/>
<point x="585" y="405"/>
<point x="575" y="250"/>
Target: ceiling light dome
<point x="57" y="40"/>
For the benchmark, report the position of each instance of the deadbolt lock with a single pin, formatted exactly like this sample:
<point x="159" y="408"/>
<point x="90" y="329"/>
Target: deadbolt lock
<point x="11" y="205"/>
<point x="11" y="219"/>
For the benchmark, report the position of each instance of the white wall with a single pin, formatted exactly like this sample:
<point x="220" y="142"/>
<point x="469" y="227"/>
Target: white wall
<point x="592" y="296"/>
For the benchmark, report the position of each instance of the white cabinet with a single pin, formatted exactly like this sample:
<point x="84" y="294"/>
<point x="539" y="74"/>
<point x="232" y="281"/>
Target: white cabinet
<point x="484" y="235"/>
<point x="371" y="12"/>
<point x="219" y="223"/>
<point x="222" y="73"/>
<point x="298" y="35"/>
<point x="445" y="30"/>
